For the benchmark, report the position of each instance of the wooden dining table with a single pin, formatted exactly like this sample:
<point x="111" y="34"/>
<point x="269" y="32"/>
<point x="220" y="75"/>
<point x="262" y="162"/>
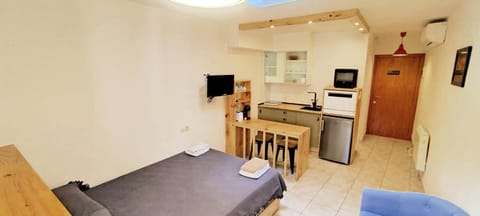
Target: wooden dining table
<point x="22" y="191"/>
<point x="240" y="138"/>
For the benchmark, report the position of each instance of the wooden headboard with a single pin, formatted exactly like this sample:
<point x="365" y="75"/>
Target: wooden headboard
<point x="22" y="191"/>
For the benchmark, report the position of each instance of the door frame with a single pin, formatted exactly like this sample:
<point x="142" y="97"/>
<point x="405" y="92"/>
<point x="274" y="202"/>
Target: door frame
<point x="417" y="87"/>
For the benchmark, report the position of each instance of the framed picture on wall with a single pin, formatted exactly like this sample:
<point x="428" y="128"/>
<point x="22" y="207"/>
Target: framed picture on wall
<point x="461" y="66"/>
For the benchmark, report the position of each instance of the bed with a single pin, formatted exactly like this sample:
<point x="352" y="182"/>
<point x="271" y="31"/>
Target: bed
<point x="180" y="185"/>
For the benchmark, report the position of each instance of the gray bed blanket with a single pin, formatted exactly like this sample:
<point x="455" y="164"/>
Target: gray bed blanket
<point x="183" y="185"/>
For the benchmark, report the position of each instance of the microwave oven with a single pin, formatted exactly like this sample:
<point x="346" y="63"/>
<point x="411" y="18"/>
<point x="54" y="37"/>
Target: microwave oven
<point x="345" y="78"/>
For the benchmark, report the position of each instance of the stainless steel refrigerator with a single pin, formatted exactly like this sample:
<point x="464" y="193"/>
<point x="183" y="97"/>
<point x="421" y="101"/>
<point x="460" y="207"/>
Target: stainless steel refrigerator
<point x="336" y="140"/>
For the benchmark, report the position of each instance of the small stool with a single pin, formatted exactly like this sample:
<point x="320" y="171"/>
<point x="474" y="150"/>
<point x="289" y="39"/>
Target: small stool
<point x="292" y="146"/>
<point x="259" y="141"/>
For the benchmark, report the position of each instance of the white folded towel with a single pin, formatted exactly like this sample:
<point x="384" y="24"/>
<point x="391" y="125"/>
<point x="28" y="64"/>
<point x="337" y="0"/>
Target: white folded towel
<point x="197" y="150"/>
<point x="255" y="175"/>
<point x="254" y="165"/>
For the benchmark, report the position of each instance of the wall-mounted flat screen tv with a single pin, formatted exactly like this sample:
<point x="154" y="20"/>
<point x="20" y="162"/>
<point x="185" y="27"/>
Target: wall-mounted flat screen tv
<point x="219" y="85"/>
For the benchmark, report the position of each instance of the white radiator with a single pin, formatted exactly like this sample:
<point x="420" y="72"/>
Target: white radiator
<point x="421" y="141"/>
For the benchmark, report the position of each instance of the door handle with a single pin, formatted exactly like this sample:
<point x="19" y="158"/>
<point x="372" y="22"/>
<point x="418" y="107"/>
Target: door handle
<point x="323" y="124"/>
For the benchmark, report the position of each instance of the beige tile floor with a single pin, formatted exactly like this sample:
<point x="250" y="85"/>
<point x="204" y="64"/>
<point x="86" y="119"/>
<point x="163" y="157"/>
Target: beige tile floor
<point x="331" y="189"/>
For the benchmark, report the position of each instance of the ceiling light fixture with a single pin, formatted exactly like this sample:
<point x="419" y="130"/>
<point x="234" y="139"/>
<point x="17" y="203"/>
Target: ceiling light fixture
<point x="401" y="51"/>
<point x="272" y="26"/>
<point x="356" y="23"/>
<point x="208" y="3"/>
<point x="361" y="29"/>
<point x="310" y="22"/>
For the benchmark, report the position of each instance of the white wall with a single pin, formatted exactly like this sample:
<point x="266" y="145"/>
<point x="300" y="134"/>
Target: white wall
<point x="330" y="50"/>
<point x="367" y="86"/>
<point x="253" y="40"/>
<point x="451" y="114"/>
<point x="387" y="43"/>
<point x="292" y="41"/>
<point x="94" y="89"/>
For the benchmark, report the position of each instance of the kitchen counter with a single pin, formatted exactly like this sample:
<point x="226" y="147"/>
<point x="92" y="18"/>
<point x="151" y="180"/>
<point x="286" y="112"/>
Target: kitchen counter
<point x="298" y="108"/>
<point x="291" y="113"/>
<point x="289" y="106"/>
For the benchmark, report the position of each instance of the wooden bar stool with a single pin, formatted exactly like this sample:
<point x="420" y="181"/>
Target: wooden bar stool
<point x="259" y="141"/>
<point x="292" y="146"/>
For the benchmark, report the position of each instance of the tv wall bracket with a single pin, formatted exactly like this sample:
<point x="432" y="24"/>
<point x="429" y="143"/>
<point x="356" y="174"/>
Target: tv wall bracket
<point x="205" y="76"/>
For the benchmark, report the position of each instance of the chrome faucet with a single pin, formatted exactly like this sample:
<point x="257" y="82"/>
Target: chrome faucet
<point x="314" y="102"/>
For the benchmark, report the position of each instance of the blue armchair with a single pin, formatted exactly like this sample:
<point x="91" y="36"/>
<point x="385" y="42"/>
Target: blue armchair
<point x="392" y="203"/>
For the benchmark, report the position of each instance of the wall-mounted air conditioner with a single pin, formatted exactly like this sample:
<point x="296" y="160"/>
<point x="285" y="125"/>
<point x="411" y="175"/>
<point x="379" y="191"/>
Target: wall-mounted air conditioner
<point x="433" y="34"/>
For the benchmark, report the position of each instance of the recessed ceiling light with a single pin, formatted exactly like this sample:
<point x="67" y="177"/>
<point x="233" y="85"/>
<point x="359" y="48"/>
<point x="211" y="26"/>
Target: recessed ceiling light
<point x="357" y="23"/>
<point x="361" y="29"/>
<point x="272" y="26"/>
<point x="209" y="3"/>
<point x="310" y="22"/>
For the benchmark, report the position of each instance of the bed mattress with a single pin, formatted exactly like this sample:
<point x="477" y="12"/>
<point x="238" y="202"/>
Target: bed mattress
<point x="184" y="185"/>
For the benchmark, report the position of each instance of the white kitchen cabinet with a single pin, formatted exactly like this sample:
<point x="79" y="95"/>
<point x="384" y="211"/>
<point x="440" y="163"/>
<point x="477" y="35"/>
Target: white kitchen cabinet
<point x="286" y="67"/>
<point x="296" y="67"/>
<point x="275" y="67"/>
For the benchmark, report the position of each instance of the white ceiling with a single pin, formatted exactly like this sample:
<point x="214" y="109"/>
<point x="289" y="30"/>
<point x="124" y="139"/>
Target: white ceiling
<point x="383" y="16"/>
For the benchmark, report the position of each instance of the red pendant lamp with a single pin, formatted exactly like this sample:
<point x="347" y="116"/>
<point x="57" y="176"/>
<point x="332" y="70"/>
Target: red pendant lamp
<point x="401" y="51"/>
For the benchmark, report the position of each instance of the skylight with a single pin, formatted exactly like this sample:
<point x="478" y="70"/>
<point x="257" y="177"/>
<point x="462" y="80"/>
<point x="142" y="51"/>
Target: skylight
<point x="267" y="3"/>
<point x="209" y="3"/>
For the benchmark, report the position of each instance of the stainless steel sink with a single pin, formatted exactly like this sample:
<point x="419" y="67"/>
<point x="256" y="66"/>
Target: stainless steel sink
<point x="318" y="108"/>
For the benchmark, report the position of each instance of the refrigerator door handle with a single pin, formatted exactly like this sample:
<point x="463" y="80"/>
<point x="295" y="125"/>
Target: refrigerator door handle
<point x="323" y="125"/>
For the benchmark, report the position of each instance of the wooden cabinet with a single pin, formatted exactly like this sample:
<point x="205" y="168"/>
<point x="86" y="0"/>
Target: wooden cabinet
<point x="286" y="67"/>
<point x="284" y="116"/>
<point x="233" y="104"/>
<point x="289" y="117"/>
<point x="270" y="114"/>
<point x="311" y="120"/>
<point x="314" y="122"/>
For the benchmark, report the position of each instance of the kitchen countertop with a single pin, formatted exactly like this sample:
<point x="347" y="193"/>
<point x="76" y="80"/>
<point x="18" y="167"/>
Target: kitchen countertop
<point x="290" y="106"/>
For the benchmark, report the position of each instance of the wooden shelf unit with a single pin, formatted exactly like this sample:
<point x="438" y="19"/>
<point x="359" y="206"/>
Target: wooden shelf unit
<point x="233" y="104"/>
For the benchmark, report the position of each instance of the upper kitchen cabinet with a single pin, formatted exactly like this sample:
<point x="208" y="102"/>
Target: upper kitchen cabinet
<point x="274" y="67"/>
<point x="286" y="67"/>
<point x="296" y="67"/>
<point x="288" y="63"/>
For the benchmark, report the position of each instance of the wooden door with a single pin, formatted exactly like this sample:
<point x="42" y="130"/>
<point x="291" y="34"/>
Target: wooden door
<point x="394" y="93"/>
